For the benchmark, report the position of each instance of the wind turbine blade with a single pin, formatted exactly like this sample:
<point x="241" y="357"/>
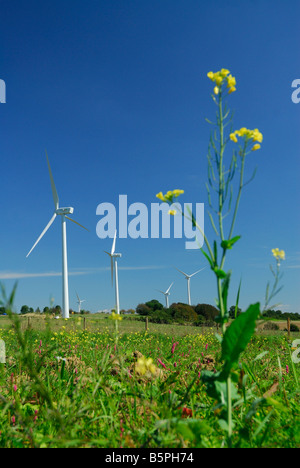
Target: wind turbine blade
<point x="111" y="266"/>
<point x="182" y="272"/>
<point x="54" y="191"/>
<point x="114" y="244"/>
<point x="43" y="233"/>
<point x="160" y="291"/>
<point x="70" y="219"/>
<point x="197" y="272"/>
<point x="77" y="296"/>
<point x="169" y="288"/>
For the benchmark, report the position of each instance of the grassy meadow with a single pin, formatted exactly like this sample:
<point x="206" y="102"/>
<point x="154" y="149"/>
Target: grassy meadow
<point x="63" y="386"/>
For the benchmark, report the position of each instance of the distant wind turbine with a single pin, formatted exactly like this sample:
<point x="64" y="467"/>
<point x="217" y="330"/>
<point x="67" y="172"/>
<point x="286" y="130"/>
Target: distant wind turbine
<point x="188" y="277"/>
<point x="63" y="212"/>
<point x="166" y="294"/>
<point x="79" y="302"/>
<point x="114" y="265"/>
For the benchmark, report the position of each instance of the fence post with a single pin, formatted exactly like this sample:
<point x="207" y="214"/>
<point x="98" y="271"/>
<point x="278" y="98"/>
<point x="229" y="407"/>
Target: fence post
<point x="146" y="324"/>
<point x="84" y="323"/>
<point x="289" y="326"/>
<point x="28" y="322"/>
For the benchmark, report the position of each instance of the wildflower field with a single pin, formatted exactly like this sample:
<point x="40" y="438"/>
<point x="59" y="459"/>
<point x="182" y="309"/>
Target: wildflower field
<point x="74" y="388"/>
<point x="116" y="384"/>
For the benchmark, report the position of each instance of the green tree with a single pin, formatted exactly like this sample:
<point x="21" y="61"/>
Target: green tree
<point x="208" y="311"/>
<point x="183" y="312"/>
<point x="25" y="310"/>
<point x="232" y="312"/>
<point x="143" y="309"/>
<point x="57" y="310"/>
<point x="154" y="305"/>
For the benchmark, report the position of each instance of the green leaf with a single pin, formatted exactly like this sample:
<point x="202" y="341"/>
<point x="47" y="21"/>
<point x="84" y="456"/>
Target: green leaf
<point x="237" y="299"/>
<point x="225" y="288"/>
<point x="216" y="252"/>
<point x="216" y="388"/>
<point x="220" y="273"/>
<point x="208" y="258"/>
<point x="228" y="244"/>
<point x="192" y="429"/>
<point x="260" y="356"/>
<point x="237" y="337"/>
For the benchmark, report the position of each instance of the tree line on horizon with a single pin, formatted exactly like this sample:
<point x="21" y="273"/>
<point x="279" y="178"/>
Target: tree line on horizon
<point x="155" y="311"/>
<point x="199" y="314"/>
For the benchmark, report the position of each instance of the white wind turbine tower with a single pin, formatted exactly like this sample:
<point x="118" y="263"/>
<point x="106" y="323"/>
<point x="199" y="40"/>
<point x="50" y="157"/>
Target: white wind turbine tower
<point x="188" y="277"/>
<point x="63" y="212"/>
<point x="114" y="265"/>
<point x="166" y="294"/>
<point x="79" y="302"/>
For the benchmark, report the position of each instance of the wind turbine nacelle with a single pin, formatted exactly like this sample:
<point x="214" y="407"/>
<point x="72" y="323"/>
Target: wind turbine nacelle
<point x="65" y="211"/>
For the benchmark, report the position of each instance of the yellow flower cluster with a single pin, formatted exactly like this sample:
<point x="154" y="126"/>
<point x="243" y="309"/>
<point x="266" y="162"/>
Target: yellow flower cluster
<point x="145" y="366"/>
<point x="115" y="316"/>
<point x="222" y="77"/>
<point x="278" y="254"/>
<point x="253" y="135"/>
<point x="169" y="196"/>
<point x="172" y="212"/>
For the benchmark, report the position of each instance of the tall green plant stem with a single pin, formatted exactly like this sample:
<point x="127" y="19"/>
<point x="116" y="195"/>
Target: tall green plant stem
<point x="221" y="172"/>
<point x="241" y="185"/>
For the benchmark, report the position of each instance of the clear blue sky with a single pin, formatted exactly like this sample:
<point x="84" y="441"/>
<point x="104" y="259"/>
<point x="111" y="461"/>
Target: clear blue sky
<point x="117" y="92"/>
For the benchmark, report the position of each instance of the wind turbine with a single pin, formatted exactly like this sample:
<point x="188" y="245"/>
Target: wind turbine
<point x="79" y="302"/>
<point x="166" y="294"/>
<point x="114" y="265"/>
<point x="63" y="212"/>
<point x="188" y="277"/>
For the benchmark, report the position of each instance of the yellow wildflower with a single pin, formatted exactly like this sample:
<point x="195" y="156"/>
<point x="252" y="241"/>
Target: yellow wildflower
<point x="242" y="132"/>
<point x="233" y="137"/>
<point x="172" y="212"/>
<point x="170" y="195"/>
<point x="278" y="254"/>
<point x="160" y="196"/>
<point x="224" y="72"/>
<point x="231" y="81"/>
<point x="218" y="79"/>
<point x="254" y="135"/>
<point x="177" y="192"/>
<point x="145" y="366"/>
<point x="115" y="316"/>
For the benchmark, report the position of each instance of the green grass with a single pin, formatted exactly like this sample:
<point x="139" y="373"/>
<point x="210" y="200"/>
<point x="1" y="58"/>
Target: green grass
<point x="65" y="387"/>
